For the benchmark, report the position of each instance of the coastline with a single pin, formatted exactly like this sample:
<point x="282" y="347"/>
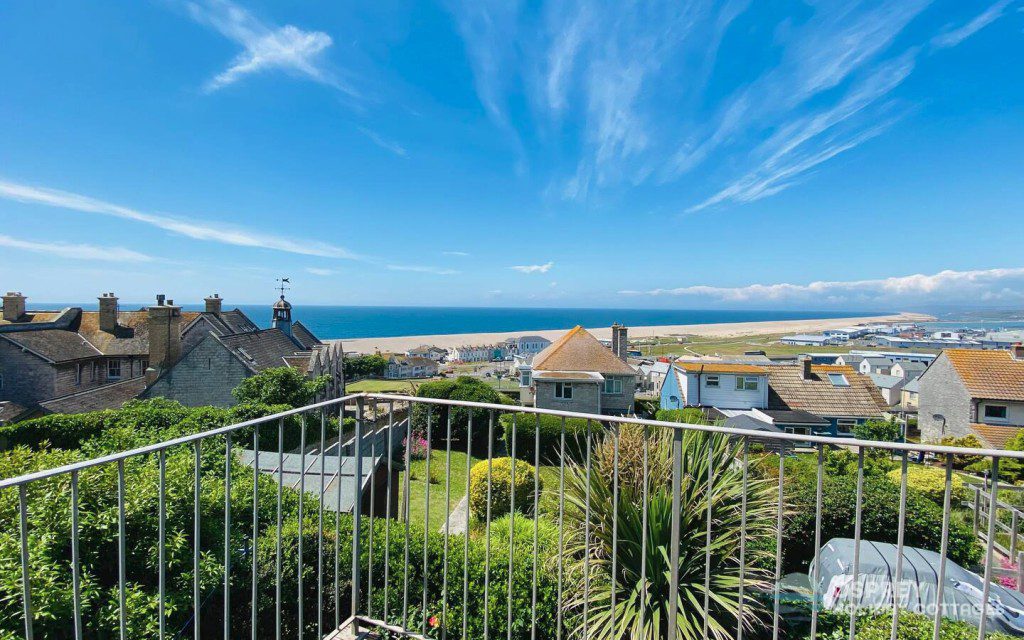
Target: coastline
<point x="400" y="344"/>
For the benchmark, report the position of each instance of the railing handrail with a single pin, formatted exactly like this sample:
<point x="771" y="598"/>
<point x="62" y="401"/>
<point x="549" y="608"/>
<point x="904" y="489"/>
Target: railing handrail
<point x="689" y="426"/>
<point x="792" y="437"/>
<point x="166" y="444"/>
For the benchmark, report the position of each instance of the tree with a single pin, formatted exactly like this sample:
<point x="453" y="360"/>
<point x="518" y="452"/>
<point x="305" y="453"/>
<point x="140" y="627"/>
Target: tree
<point x="879" y="430"/>
<point x="364" y="366"/>
<point x="464" y="388"/>
<point x="280" y="385"/>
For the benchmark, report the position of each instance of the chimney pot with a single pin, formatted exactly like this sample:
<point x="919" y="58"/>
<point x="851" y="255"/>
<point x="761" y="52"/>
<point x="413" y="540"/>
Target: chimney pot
<point x="1017" y="351"/>
<point x="14" y="306"/>
<point x="160" y="299"/>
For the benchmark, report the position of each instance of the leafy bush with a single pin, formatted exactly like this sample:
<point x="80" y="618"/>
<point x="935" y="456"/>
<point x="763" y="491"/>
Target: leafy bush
<point x="879" y="518"/>
<point x="550" y="428"/>
<point x="931" y="483"/>
<point x="501" y="487"/>
<point x="363" y="366"/>
<point x="463" y="388"/>
<point x="873" y="625"/>
<point x="61" y="431"/>
<point x="280" y="385"/>
<point x="689" y="415"/>
<point x="962" y="461"/>
<point x="880" y="430"/>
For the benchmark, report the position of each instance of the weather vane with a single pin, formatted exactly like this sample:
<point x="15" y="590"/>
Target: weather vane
<point x="282" y="285"/>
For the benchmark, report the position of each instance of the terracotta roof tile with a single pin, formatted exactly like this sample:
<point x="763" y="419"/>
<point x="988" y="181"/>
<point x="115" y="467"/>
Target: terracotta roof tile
<point x="578" y="350"/>
<point x="787" y="389"/>
<point x="993" y="374"/>
<point x="996" y="436"/>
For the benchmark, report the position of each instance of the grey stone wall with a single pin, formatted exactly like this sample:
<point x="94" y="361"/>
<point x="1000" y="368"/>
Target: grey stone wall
<point x="27" y="378"/>
<point x="205" y="376"/>
<point x="586" y="397"/>
<point x="942" y="393"/>
<point x="620" y="402"/>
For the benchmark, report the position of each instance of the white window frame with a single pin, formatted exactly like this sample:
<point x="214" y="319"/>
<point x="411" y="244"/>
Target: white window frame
<point x="113" y="364"/>
<point x="78" y="373"/>
<point x="1003" y="418"/>
<point x="612" y="386"/>
<point x="563" y="391"/>
<point x="742" y="383"/>
<point x="803" y="431"/>
<point x="712" y="381"/>
<point x="845" y="425"/>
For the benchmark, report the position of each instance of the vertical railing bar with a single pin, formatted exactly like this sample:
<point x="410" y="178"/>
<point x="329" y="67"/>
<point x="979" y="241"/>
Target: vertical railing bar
<point x="337" y="524"/>
<point x="512" y="527"/>
<point x="487" y="524"/>
<point x="615" y="524"/>
<point x="465" y="546"/>
<point x="320" y="525"/>
<point x="447" y="517"/>
<point x="277" y="555"/>
<point x="122" y="596"/>
<point x="818" y="490"/>
<point x="254" y="623"/>
<point x="76" y="582"/>
<point x="387" y="509"/>
<point x="302" y="501"/>
<point x="426" y="520"/>
<point x="586" y="545"/>
<point x="743" y="538"/>
<point x="993" y="508"/>
<point x="778" y="545"/>
<point x="536" y="523"/>
<point x="405" y="511"/>
<point x="677" y="486"/>
<point x="940" y="585"/>
<point x="373" y="509"/>
<point x="898" y="579"/>
<point x="227" y="536"/>
<point x="196" y="541"/>
<point x="561" y="527"/>
<point x="26" y="584"/>
<point x="357" y="505"/>
<point x="710" y="493"/>
<point x="854" y="585"/>
<point x="643" y="533"/>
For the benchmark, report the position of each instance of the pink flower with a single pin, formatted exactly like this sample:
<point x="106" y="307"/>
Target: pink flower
<point x="434" y="622"/>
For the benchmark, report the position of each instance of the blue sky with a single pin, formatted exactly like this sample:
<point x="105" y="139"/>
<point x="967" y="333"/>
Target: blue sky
<point x="666" y="154"/>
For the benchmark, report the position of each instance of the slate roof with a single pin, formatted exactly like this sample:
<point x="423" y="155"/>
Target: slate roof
<point x="879" y="362"/>
<point x="54" y="345"/>
<point x="107" y="396"/>
<point x="304" y="336"/>
<point x="33" y="316"/>
<point x="10" y="411"/>
<point x="883" y="381"/>
<point x="995" y="436"/>
<point x="262" y="349"/>
<point x="994" y="375"/>
<point x="298" y="471"/>
<point x="914" y="386"/>
<point x="912" y="367"/>
<point x="788" y="390"/>
<point x="794" y="416"/>
<point x="578" y="350"/>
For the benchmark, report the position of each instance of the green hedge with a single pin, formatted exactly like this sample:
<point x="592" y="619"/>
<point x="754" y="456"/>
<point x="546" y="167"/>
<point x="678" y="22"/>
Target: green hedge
<point x="463" y="388"/>
<point x="689" y="415"/>
<point x="550" y="428"/>
<point x="871" y="625"/>
<point x="931" y="483"/>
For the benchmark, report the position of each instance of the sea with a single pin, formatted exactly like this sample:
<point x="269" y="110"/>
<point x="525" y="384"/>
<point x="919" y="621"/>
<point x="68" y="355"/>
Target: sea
<point x="330" y="322"/>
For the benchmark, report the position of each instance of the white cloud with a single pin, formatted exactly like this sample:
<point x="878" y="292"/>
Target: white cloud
<point x="383" y="143"/>
<point x="533" y="268"/>
<point x="460" y="254"/>
<point x="437" y="271"/>
<point x="948" y="285"/>
<point x="319" y="271"/>
<point x="266" y="47"/>
<point x="953" y="37"/>
<point x="195" y="230"/>
<point x="75" y="251"/>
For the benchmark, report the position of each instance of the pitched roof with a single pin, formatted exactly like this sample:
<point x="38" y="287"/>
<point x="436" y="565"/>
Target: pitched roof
<point x="578" y="350"/>
<point x="262" y="349"/>
<point x="54" y="345"/>
<point x="873" y="360"/>
<point x="787" y="389"/>
<point x="883" y="381"/>
<point x="911" y="365"/>
<point x="720" y="367"/>
<point x="996" y="436"/>
<point x="793" y="416"/>
<point x="914" y="386"/>
<point x="989" y="374"/>
<point x="10" y="411"/>
<point x="107" y="396"/>
<point x="304" y="336"/>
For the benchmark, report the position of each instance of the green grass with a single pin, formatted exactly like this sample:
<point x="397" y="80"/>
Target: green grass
<point x="736" y="345"/>
<point x="418" y="480"/>
<point x="384" y="386"/>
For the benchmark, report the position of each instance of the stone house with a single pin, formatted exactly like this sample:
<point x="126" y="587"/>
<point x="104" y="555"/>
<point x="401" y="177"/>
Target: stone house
<point x="840" y="395"/>
<point x="972" y="392"/>
<point x="578" y="373"/>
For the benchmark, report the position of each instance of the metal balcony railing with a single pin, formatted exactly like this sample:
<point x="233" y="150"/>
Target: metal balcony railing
<point x="649" y="529"/>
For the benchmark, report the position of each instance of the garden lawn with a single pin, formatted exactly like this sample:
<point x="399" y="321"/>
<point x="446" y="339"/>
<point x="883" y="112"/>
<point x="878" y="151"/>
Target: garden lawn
<point x="418" y="480"/>
<point x="384" y="386"/>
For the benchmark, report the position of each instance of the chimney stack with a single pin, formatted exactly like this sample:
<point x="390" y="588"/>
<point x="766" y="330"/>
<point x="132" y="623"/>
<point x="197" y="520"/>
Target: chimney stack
<point x="160" y="299"/>
<point x="164" y="334"/>
<point x="620" y="341"/>
<point x="108" y="312"/>
<point x="1017" y="351"/>
<point x="806" y="364"/>
<point x="14" y="306"/>
<point x="213" y="303"/>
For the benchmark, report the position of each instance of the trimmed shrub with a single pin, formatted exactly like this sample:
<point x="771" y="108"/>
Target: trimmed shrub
<point x="61" y="431"/>
<point x="689" y="415"/>
<point x="931" y="483"/>
<point x="463" y="388"/>
<point x="963" y="461"/>
<point x="550" y="428"/>
<point x="501" y="487"/>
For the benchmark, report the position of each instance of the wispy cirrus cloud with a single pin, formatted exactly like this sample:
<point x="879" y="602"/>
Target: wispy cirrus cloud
<point x="986" y="285"/>
<point x="458" y="254"/>
<point x="266" y="47"/>
<point x="321" y="271"/>
<point x="412" y="268"/>
<point x="75" y="251"/>
<point x="189" y="228"/>
<point x="383" y="142"/>
<point x="533" y="268"/>
<point x="955" y="35"/>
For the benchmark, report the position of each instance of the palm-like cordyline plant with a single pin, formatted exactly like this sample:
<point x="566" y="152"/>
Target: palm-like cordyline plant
<point x="641" y="582"/>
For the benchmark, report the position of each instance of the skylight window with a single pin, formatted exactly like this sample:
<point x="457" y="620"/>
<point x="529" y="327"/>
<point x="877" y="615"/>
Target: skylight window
<point x="838" y="380"/>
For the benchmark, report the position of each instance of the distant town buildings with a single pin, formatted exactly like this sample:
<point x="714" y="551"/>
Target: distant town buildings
<point x="410" y="367"/>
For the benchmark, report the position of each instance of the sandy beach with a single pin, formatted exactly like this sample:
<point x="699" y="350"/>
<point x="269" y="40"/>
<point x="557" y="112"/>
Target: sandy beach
<point x="401" y="344"/>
